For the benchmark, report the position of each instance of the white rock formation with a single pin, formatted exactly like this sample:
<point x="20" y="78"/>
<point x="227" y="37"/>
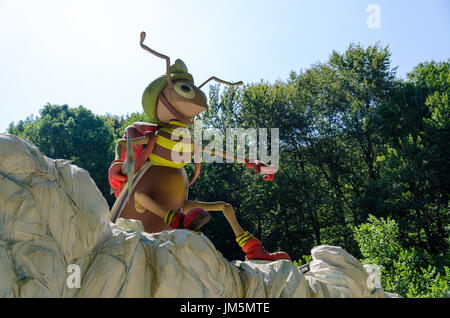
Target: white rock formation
<point x="52" y="215"/>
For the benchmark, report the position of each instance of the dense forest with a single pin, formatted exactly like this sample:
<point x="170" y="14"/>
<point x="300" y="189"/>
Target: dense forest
<point x="364" y="163"/>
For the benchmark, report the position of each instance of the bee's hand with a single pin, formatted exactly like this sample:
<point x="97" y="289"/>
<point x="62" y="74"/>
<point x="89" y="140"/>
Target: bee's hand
<point x="262" y="168"/>
<point x="115" y="178"/>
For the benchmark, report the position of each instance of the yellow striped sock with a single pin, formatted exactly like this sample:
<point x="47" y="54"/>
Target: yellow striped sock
<point x="169" y="217"/>
<point x="244" y="238"/>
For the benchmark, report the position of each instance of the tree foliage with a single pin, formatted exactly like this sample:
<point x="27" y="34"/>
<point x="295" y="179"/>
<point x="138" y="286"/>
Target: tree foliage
<point x="407" y="272"/>
<point x="74" y="134"/>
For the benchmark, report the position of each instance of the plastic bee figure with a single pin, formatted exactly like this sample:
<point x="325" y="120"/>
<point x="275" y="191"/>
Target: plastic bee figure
<point x="148" y="161"/>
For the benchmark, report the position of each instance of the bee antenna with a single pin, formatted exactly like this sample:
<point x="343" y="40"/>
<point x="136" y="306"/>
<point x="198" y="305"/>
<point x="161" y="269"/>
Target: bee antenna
<point x="220" y="81"/>
<point x="145" y="47"/>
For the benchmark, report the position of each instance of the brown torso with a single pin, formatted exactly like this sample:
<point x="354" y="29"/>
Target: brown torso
<point x="165" y="185"/>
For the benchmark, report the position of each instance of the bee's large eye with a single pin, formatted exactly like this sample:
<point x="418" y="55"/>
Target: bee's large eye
<point x="184" y="90"/>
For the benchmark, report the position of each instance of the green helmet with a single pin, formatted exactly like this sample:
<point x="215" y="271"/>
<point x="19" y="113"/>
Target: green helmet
<point x="178" y="70"/>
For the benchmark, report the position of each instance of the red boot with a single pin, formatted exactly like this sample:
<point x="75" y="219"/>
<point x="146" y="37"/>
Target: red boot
<point x="254" y="249"/>
<point x="193" y="220"/>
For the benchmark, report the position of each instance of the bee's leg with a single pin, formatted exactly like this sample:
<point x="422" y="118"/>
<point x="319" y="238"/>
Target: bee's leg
<point x="143" y="202"/>
<point x="193" y="220"/>
<point x="249" y="244"/>
<point x="226" y="208"/>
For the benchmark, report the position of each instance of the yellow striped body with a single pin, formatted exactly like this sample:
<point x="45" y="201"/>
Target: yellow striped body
<point x="173" y="147"/>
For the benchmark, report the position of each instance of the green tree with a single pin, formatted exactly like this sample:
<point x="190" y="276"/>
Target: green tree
<point x="116" y="122"/>
<point x="414" y="165"/>
<point x="403" y="271"/>
<point x="75" y="134"/>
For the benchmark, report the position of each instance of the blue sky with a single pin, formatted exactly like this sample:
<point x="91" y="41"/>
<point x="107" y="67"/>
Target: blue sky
<point x="87" y="52"/>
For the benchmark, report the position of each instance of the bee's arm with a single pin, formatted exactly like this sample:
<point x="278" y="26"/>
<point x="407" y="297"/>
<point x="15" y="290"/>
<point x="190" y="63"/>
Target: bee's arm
<point x="259" y="166"/>
<point x="140" y="133"/>
<point x="122" y="143"/>
<point x="148" y="139"/>
<point x="135" y="141"/>
<point x="225" y="155"/>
